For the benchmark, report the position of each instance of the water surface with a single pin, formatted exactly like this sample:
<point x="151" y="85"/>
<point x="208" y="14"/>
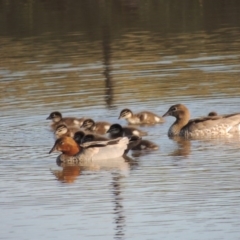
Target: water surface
<point x="94" y="59"/>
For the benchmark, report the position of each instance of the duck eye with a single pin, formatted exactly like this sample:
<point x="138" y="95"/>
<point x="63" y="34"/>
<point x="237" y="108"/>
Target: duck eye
<point x="174" y="109"/>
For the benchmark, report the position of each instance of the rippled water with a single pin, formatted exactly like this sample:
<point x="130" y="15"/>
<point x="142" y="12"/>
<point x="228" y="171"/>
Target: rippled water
<point x="184" y="190"/>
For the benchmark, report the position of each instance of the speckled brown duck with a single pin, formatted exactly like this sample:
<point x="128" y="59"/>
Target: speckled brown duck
<point x="201" y="127"/>
<point x="58" y="119"/>
<point x="144" y="117"/>
<point x="96" y="127"/>
<point x="63" y="130"/>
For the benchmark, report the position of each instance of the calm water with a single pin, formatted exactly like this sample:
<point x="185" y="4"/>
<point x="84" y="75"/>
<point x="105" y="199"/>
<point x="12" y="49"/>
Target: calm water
<point x="93" y="58"/>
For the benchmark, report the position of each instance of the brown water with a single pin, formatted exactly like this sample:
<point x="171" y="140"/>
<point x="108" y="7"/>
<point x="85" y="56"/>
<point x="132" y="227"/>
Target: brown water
<point x="93" y="58"/>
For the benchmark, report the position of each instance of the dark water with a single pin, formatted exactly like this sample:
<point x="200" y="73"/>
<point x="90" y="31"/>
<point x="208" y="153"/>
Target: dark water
<point x="94" y="58"/>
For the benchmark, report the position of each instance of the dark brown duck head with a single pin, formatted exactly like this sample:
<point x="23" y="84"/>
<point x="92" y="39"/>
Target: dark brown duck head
<point x="66" y="145"/>
<point x="212" y="114"/>
<point x="55" y="117"/>
<point x="115" y="129"/>
<point x="125" y="113"/>
<point x="88" y="138"/>
<point x="78" y="136"/>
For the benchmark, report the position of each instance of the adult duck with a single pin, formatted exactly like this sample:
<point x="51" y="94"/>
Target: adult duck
<point x="209" y="126"/>
<point x="72" y="152"/>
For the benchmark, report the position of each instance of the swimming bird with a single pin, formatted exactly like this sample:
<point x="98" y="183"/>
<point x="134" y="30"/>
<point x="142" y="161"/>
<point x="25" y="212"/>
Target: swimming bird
<point x="63" y="130"/>
<point x="137" y="143"/>
<point x="144" y="117"/>
<point x="116" y="130"/>
<point x="57" y="119"/>
<point x="72" y="152"/>
<point x="96" y="127"/>
<point x="201" y="127"/>
<point x="211" y="114"/>
<point x="81" y="137"/>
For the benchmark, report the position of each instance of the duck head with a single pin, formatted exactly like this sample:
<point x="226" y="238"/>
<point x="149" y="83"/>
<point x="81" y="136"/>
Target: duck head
<point x="125" y="113"/>
<point x="115" y="129"/>
<point x="55" y="117"/>
<point x="179" y="111"/>
<point x="61" y="130"/>
<point x="88" y="124"/>
<point x="78" y="136"/>
<point x="66" y="145"/>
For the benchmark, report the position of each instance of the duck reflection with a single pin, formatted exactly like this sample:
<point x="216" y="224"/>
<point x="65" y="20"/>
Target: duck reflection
<point x="183" y="147"/>
<point x="68" y="174"/>
<point x="118" y="210"/>
<point x="106" y="43"/>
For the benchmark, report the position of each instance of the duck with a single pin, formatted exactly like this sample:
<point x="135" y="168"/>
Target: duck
<point x="63" y="130"/>
<point x="137" y="143"/>
<point x="88" y="152"/>
<point x="211" y="114"/>
<point x="57" y="119"/>
<point x="209" y="126"/>
<point x="81" y="137"/>
<point x="144" y="117"/>
<point x="116" y="130"/>
<point x="96" y="127"/>
<point x="145" y="145"/>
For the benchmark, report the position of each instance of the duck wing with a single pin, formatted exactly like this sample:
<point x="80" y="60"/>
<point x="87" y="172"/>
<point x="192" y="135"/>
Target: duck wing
<point x="215" y="125"/>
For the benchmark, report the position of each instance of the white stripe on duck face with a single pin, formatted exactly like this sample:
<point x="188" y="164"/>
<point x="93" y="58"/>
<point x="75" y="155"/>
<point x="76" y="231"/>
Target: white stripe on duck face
<point x="135" y="132"/>
<point x="157" y="119"/>
<point x="76" y="122"/>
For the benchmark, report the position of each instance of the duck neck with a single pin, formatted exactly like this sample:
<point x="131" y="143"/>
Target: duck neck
<point x="181" y="121"/>
<point x="72" y="149"/>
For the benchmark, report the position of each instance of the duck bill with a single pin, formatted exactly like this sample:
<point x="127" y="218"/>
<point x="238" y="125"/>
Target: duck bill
<point x="120" y="117"/>
<point x="166" y="114"/>
<point x="48" y="118"/>
<point x="54" y="149"/>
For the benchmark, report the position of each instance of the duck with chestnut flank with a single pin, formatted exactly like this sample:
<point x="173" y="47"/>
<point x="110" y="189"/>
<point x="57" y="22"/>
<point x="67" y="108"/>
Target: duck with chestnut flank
<point x="96" y="127"/>
<point x="57" y="119"/>
<point x="72" y="152"/>
<point x="209" y="126"/>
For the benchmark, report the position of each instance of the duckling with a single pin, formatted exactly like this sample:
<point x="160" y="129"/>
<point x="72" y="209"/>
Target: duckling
<point x="145" y="145"/>
<point x="116" y="130"/>
<point x="141" y="117"/>
<point x="63" y="130"/>
<point x="81" y="137"/>
<point x="72" y="152"/>
<point x="201" y="127"/>
<point x="57" y="119"/>
<point x="211" y="114"/>
<point x="96" y="127"/>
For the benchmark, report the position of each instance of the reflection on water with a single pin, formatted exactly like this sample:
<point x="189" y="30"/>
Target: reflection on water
<point x="94" y="58"/>
<point x="68" y="174"/>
